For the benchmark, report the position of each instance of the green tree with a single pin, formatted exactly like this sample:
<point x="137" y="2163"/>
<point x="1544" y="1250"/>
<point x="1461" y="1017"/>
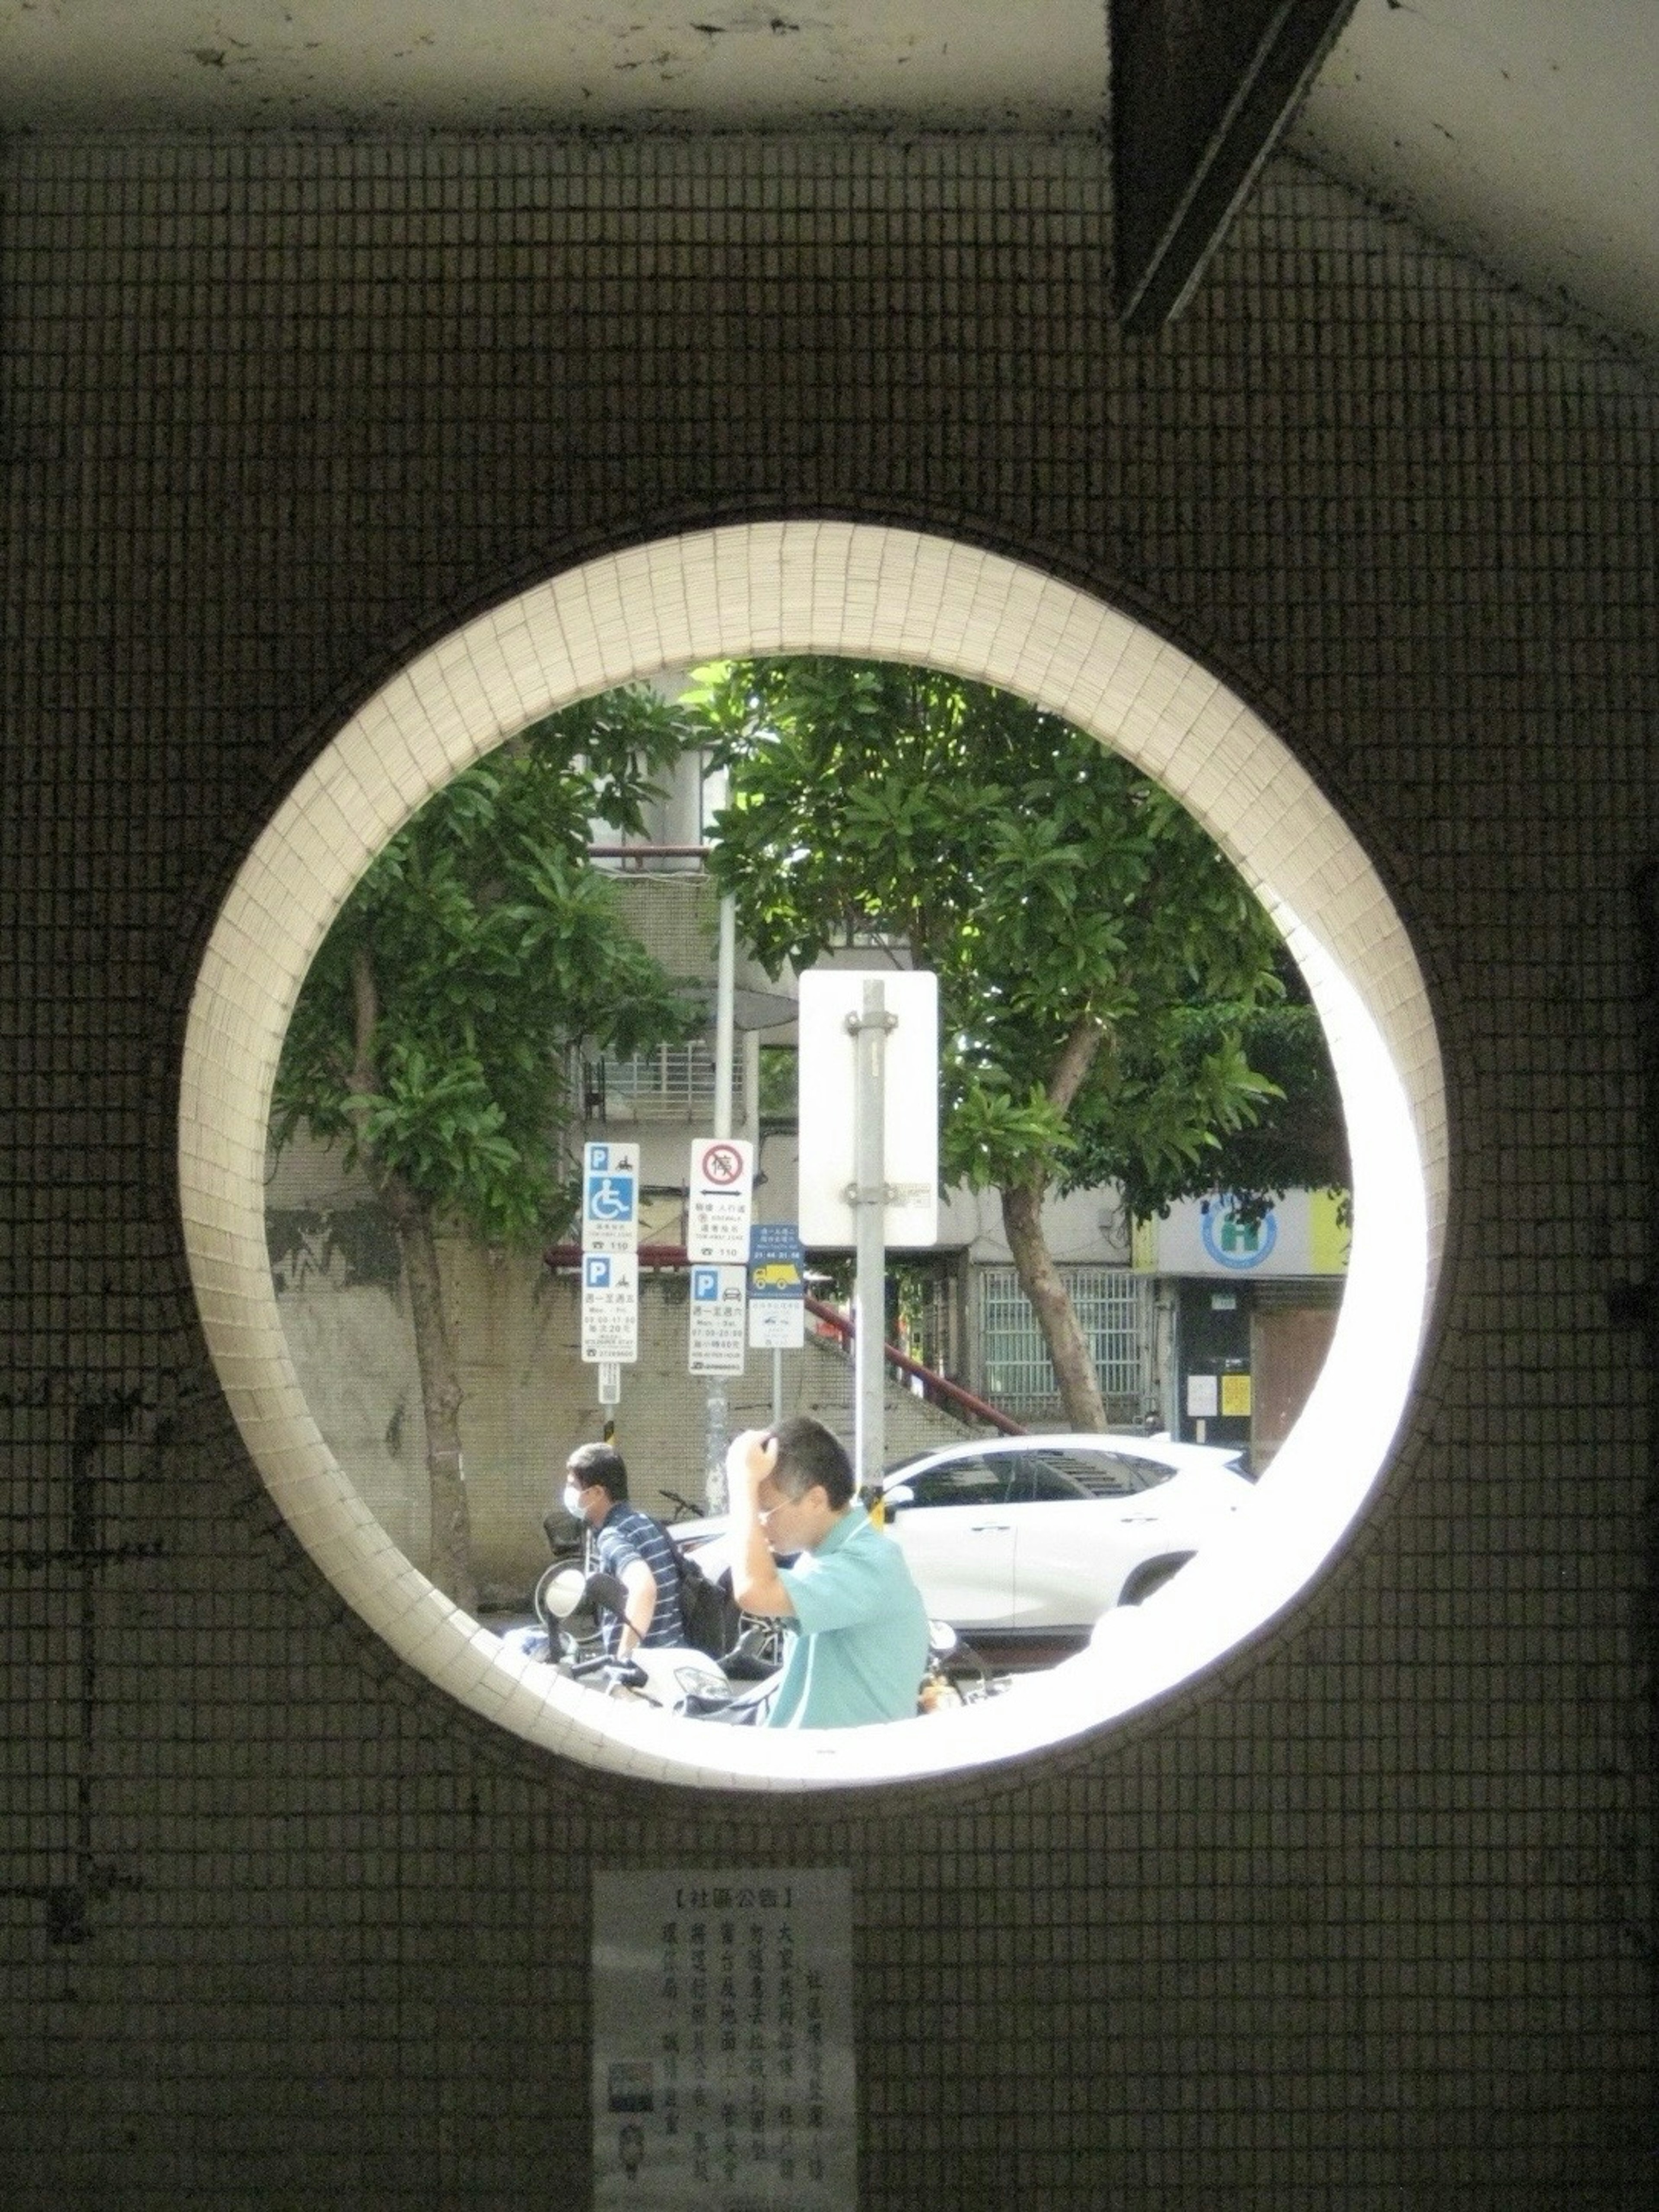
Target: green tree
<point x="1099" y="960"/>
<point x="432" y="1033"/>
<point x="1295" y="1139"/>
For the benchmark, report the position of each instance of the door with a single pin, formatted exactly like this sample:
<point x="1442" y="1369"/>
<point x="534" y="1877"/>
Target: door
<point x="1082" y="1521"/>
<point x="952" y="1525"/>
<point x="1290" y="1345"/>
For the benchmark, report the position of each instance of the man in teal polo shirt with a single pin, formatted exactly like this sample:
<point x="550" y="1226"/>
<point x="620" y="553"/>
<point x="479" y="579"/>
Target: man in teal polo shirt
<point x="858" y="1640"/>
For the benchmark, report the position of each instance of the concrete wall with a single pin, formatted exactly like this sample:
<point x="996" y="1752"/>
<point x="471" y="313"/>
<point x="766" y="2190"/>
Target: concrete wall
<point x="1364" y="1919"/>
<point x="528" y="1400"/>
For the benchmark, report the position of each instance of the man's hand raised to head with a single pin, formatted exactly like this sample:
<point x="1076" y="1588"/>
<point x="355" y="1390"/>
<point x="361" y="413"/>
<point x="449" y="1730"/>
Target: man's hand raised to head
<point x="750" y="1460"/>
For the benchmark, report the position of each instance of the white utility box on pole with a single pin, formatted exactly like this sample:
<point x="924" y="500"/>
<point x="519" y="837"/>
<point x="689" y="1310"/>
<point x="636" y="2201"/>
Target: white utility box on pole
<point x="869" y="1147"/>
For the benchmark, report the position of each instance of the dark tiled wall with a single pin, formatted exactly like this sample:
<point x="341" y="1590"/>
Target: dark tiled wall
<point x="1365" y="1922"/>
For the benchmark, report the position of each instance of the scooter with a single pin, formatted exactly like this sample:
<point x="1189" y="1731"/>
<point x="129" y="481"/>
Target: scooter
<point x="736" y="1690"/>
<point x="956" y="1674"/>
<point x="675" y="1676"/>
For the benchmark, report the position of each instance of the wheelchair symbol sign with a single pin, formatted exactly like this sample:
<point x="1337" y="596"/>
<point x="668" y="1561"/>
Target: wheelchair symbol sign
<point x="611" y="1197"/>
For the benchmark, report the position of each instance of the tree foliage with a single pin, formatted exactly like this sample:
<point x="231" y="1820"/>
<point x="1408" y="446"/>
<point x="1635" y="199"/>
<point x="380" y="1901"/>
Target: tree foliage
<point x="491" y="946"/>
<point x="432" y="1034"/>
<point x="1295" y="1138"/>
<point x="1100" y="962"/>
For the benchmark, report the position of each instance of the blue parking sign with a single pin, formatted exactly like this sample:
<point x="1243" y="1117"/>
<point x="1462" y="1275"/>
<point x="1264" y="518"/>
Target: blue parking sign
<point x="611" y="1197"/>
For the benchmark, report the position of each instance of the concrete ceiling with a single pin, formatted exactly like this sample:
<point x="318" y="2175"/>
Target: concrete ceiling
<point x="1520" y="130"/>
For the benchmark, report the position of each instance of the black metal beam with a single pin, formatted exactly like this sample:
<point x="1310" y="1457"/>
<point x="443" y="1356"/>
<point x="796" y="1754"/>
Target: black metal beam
<point x="1202" y="91"/>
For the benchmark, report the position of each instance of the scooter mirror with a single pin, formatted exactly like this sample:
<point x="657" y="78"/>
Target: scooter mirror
<point x="606" y="1594"/>
<point x="559" y="1595"/>
<point x="570" y="1601"/>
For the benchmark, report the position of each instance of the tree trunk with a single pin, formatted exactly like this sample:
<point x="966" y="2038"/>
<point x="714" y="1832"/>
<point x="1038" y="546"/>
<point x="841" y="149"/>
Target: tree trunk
<point x="451" y="1560"/>
<point x="1040" y="1279"/>
<point x="1022" y="1219"/>
<point x="440" y="1396"/>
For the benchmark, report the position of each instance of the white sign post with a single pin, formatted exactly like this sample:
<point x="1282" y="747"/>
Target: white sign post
<point x="717" y="1306"/>
<point x="611" y="1197"/>
<point x="611" y="1307"/>
<point x="720" y="1200"/>
<point x="777" y="1298"/>
<point x="869" y="1148"/>
<point x="829" y="998"/>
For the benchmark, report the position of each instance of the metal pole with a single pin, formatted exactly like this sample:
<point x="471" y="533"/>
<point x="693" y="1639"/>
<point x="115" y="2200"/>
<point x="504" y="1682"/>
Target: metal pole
<point x="716" y="1408"/>
<point x="725" y="982"/>
<point x="870" y="1221"/>
<point x="751" y="1067"/>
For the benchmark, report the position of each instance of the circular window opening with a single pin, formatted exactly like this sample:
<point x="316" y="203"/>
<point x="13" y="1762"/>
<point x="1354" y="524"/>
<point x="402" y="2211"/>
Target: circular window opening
<point x="878" y="594"/>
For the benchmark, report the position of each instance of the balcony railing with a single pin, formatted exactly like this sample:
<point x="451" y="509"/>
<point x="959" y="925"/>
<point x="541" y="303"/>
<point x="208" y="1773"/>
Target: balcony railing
<point x="671" y="1082"/>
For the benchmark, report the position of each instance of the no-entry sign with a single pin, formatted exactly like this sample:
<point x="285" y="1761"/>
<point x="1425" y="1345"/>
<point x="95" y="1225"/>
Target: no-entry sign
<point x="718" y="1202"/>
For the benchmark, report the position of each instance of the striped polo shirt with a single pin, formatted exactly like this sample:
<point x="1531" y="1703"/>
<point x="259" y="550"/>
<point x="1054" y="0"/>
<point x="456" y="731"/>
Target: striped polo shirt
<point x="626" y="1535"/>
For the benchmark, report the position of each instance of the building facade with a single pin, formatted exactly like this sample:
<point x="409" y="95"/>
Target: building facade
<point x="1361" y="1919"/>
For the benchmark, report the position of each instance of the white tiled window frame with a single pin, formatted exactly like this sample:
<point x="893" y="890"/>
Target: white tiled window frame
<point x="806" y="586"/>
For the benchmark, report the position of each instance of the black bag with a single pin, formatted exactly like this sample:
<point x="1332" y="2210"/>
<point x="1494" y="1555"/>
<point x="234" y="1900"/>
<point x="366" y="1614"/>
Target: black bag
<point x="708" y="1612"/>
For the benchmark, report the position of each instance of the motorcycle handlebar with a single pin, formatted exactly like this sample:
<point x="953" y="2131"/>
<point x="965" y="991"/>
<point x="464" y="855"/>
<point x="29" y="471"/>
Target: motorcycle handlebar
<point x="627" y="1671"/>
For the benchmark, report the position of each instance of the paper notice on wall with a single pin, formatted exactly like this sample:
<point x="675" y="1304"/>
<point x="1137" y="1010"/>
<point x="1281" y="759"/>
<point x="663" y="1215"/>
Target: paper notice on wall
<point x="1203" y="1397"/>
<point x="722" y="2042"/>
<point x="1234" y="1397"/>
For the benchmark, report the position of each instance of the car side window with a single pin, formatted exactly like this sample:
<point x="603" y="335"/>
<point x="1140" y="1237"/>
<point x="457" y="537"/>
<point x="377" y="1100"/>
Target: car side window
<point x="1142" y="1473"/>
<point x="961" y="1482"/>
<point x="1042" y="1478"/>
<point x="1112" y="1475"/>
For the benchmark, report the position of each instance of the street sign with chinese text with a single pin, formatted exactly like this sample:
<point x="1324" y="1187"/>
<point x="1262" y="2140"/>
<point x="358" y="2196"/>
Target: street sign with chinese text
<point x="718" y="1200"/>
<point x="777" y="1288"/>
<point x="611" y="1197"/>
<point x="717" y="1305"/>
<point x="610" y="1307"/>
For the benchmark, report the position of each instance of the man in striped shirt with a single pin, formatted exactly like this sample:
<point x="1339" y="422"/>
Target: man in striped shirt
<point x="628" y="1544"/>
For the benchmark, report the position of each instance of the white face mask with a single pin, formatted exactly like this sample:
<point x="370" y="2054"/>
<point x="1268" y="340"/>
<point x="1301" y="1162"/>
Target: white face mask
<point x="573" y="1501"/>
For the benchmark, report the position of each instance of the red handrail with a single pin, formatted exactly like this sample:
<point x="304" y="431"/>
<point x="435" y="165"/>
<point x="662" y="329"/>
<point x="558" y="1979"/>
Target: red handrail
<point x="842" y="1324"/>
<point x="674" y="1255"/>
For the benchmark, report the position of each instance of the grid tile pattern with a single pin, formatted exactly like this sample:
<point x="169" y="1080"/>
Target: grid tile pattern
<point x="1365" y="1920"/>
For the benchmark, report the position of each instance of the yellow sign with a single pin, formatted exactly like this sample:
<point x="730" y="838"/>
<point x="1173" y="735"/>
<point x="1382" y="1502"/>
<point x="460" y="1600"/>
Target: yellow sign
<point x="1328" y="1237"/>
<point x="1235" y="1397"/>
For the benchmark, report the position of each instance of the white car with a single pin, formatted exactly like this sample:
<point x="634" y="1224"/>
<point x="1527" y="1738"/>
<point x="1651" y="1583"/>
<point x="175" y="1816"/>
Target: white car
<point x="1042" y="1533"/>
